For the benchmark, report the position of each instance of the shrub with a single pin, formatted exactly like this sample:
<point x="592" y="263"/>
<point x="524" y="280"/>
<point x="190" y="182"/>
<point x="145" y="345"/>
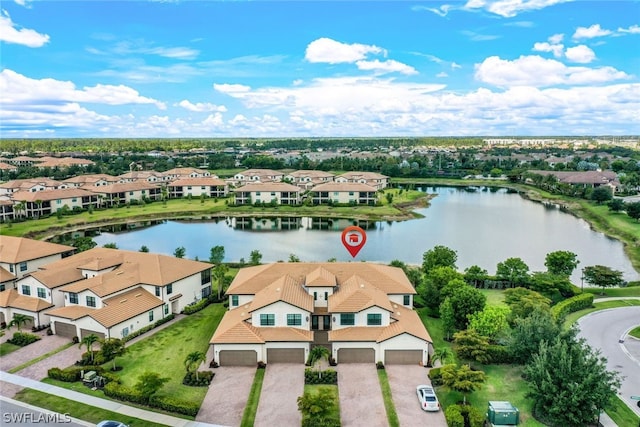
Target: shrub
<point x="22" y="339"/>
<point x="499" y="354"/>
<point x="120" y="392"/>
<point x="435" y="376"/>
<point x="464" y="415"/>
<point x="195" y="307"/>
<point x="579" y="302"/>
<point x="73" y="374"/>
<point x="328" y="376"/>
<point x="454" y="417"/>
<point x="379" y="365"/>
<point x="261" y="365"/>
<point x="203" y="380"/>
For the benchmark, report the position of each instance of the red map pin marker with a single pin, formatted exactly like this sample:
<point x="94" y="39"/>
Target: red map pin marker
<point x="354" y="238"/>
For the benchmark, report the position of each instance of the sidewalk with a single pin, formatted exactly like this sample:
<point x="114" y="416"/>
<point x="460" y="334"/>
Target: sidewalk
<point x="109" y="405"/>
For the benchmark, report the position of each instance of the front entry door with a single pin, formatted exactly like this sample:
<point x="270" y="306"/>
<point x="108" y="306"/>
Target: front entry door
<point x="326" y="323"/>
<point x="314" y="323"/>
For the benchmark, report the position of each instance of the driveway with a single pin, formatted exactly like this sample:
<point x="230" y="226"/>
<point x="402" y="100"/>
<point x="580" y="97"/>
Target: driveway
<point x="227" y="395"/>
<point x="361" y="401"/>
<point x="283" y="384"/>
<point x="403" y="380"/>
<point x="46" y="344"/>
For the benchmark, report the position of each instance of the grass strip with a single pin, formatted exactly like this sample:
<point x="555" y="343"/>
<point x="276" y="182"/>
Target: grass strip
<point x="249" y="415"/>
<point x="6" y="348"/>
<point x="597" y="306"/>
<point x="77" y="409"/>
<point x="635" y="332"/>
<point x="389" y="407"/>
<point x="621" y="414"/>
<point x="39" y="358"/>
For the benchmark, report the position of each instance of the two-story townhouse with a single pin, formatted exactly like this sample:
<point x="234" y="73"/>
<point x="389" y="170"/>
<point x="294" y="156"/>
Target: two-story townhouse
<point x="123" y="193"/>
<point x="141" y="176"/>
<point x="279" y="193"/>
<point x="91" y="180"/>
<point x="361" y="312"/>
<point x="257" y="175"/>
<point x="63" y="162"/>
<point x="344" y="193"/>
<point x="47" y="202"/>
<point x="195" y="187"/>
<point x="6" y="167"/>
<point x="23" y="160"/>
<point x="179" y="173"/>
<point x="374" y="179"/>
<point x="6" y="209"/>
<point x="306" y="179"/>
<point x="29" y="185"/>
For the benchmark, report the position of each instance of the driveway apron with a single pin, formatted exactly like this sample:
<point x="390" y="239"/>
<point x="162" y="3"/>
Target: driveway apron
<point x="403" y="380"/>
<point x="283" y="384"/>
<point x="227" y="396"/>
<point x="46" y="344"/>
<point x="361" y="401"/>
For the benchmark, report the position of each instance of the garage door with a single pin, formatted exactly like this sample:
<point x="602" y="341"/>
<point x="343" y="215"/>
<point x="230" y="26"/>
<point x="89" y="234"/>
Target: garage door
<point x="86" y="332"/>
<point x="64" y="329"/>
<point x="356" y="355"/>
<point x="238" y="358"/>
<point x="402" y="357"/>
<point x="285" y="355"/>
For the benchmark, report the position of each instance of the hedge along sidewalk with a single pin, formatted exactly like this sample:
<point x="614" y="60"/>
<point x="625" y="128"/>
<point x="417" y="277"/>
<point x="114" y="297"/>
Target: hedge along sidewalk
<point x="102" y="403"/>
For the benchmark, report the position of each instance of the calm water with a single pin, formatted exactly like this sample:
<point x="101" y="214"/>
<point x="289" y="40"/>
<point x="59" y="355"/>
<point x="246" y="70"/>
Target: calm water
<point x="484" y="227"/>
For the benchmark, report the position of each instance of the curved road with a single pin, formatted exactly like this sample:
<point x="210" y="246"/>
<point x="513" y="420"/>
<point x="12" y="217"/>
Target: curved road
<point x="602" y="330"/>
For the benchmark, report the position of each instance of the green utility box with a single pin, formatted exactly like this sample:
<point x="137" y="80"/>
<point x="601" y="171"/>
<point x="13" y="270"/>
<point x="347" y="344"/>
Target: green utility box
<point x="502" y="414"/>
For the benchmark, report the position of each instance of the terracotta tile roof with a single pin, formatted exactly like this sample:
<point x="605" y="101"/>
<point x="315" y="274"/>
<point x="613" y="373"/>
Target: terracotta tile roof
<point x="55" y="278"/>
<point x="260" y="172"/>
<point x="311" y="174"/>
<point x="123" y="187"/>
<point x="124" y="306"/>
<point x="71" y="312"/>
<point x="320" y="277"/>
<point x="7" y="166"/>
<point x="30" y="182"/>
<point x="185" y="171"/>
<point x="205" y="180"/>
<point x="100" y="263"/>
<point x="356" y="333"/>
<point x="91" y="178"/>
<point x="5" y="276"/>
<point x="58" y="193"/>
<point x="344" y="186"/>
<point x="363" y="175"/>
<point x="140" y="175"/>
<point x="285" y="333"/>
<point x="11" y="298"/>
<point x="18" y="249"/>
<point x="268" y="186"/>
<point x="406" y="321"/>
<point x="108" y="283"/>
<point x="234" y="328"/>
<point x="356" y="294"/>
<point x="284" y="289"/>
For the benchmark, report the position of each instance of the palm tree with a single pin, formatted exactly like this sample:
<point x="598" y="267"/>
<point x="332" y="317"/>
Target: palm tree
<point x="112" y="348"/>
<point x="19" y="320"/>
<point x="316" y="354"/>
<point x="195" y="358"/>
<point x="89" y="340"/>
<point x="442" y="354"/>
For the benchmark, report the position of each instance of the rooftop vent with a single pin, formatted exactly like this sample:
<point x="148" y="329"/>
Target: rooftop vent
<point x="123" y="301"/>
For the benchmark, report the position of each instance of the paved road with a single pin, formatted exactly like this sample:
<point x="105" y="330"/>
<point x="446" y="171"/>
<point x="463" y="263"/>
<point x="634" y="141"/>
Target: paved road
<point x="602" y="330"/>
<point x="16" y="413"/>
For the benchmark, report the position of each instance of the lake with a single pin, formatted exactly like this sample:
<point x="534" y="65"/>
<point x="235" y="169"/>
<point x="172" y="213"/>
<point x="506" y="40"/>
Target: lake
<point x="484" y="227"/>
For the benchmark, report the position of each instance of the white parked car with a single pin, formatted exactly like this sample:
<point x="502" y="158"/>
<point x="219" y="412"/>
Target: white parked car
<point x="427" y="397"/>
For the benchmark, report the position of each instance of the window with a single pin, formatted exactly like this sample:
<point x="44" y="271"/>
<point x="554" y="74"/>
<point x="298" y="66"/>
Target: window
<point x="23" y="266"/>
<point x="169" y="288"/>
<point x="2" y="288"/>
<point x="294" y="319"/>
<point x="326" y="296"/>
<point x="374" y="319"/>
<point x="234" y="300"/>
<point x="315" y="296"/>
<point x="73" y="298"/>
<point x="347" y="319"/>
<point x="205" y="276"/>
<point x="59" y="202"/>
<point x="351" y="193"/>
<point x="11" y="268"/>
<point x="125" y="332"/>
<point x="267" y="320"/>
<point x="91" y="301"/>
<point x="206" y="291"/>
<point x="406" y="300"/>
<point x="74" y="200"/>
<point x="166" y="309"/>
<point x="26" y="290"/>
<point x="151" y="316"/>
<point x="273" y="193"/>
<point x="42" y="293"/>
<point x="131" y="193"/>
<point x="257" y="193"/>
<point x="157" y="291"/>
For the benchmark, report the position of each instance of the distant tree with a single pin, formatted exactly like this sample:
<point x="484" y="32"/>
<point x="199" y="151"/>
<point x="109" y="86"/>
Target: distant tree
<point x="179" y="252"/>
<point x="616" y="205"/>
<point x="149" y="383"/>
<point x="83" y="244"/>
<point x="569" y="382"/>
<point x="439" y="256"/>
<point x="601" y="194"/>
<point x="293" y="258"/>
<point x="633" y="210"/>
<point x="462" y="379"/>
<point x="602" y="276"/>
<point x="434" y="282"/>
<point x="561" y="262"/>
<point x="491" y="322"/>
<point x="219" y="274"/>
<point x="514" y="271"/>
<point x="389" y="198"/>
<point x="550" y="285"/>
<point x="216" y="254"/>
<point x="414" y="274"/>
<point x="472" y="346"/>
<point x="255" y="257"/>
<point x="474" y="275"/>
<point x="110" y="245"/>
<point x="144" y="248"/>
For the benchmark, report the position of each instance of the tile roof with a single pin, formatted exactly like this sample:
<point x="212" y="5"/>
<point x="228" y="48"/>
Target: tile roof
<point x="108" y="283"/>
<point x="123" y="187"/>
<point x="55" y="194"/>
<point x="30" y="182"/>
<point x="284" y="289"/>
<point x="310" y="173"/>
<point x="55" y="278"/>
<point x="356" y="333"/>
<point x="185" y="171"/>
<point x="363" y="175"/>
<point x="101" y="263"/>
<point x="320" y="277"/>
<point x="124" y="306"/>
<point x="11" y="298"/>
<point x="356" y="294"/>
<point x="18" y="249"/>
<point x="343" y="186"/>
<point x="268" y="186"/>
<point x="5" y="276"/>
<point x="205" y="180"/>
<point x="91" y="178"/>
<point x="71" y="312"/>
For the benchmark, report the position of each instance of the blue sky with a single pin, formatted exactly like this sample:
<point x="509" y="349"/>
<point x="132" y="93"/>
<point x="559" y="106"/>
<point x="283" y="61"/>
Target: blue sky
<point x="304" y="68"/>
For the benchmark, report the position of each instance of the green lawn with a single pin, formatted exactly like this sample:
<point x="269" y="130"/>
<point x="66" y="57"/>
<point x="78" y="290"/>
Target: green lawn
<point x="77" y="409"/>
<point x="6" y="348"/>
<point x="630" y="291"/>
<point x="314" y="389"/>
<point x="621" y="414"/>
<point x="495" y="297"/>
<point x="635" y="332"/>
<point x="573" y="317"/>
<point x="250" y="411"/>
<point x="392" y="415"/>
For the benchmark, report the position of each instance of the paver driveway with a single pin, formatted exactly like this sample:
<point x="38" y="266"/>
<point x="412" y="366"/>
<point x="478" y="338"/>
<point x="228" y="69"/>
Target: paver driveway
<point x="361" y="401"/>
<point x="227" y="395"/>
<point x="283" y="384"/>
<point x="403" y="380"/>
<point x="46" y="344"/>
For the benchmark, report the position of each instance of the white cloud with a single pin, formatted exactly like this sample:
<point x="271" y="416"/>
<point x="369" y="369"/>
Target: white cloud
<point x="334" y="52"/>
<point x="581" y="54"/>
<point x="442" y="74"/>
<point x="175" y="52"/>
<point x="479" y="37"/>
<point x="387" y="66"/>
<point x="22" y="2"/>
<point x="9" y="33"/>
<point x="634" y="29"/>
<point x="590" y="32"/>
<point x="556" y="38"/>
<point x="548" y="47"/>
<point x="441" y="11"/>
<point x="510" y="8"/>
<point x="537" y="71"/>
<point x="231" y="88"/>
<point x="454" y="66"/>
<point x="201" y="106"/>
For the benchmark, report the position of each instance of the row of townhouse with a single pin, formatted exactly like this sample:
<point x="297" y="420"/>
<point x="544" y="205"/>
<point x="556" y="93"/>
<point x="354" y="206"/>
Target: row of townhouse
<point x="46" y="162"/>
<point x="107" y="292"/>
<point x="282" y="193"/>
<point x="308" y="179"/>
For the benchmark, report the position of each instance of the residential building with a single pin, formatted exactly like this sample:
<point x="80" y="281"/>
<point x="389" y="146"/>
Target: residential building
<point x="138" y="176"/>
<point x="123" y="193"/>
<point x="306" y="179"/>
<point x="62" y="162"/>
<point x="29" y="184"/>
<point x="47" y="202"/>
<point x="20" y="256"/>
<point x="91" y="180"/>
<point x="179" y="173"/>
<point x="257" y="175"/>
<point x="583" y="178"/>
<point x="344" y="193"/>
<point x="6" y="167"/>
<point x="362" y="312"/>
<point x="195" y="187"/>
<point x="279" y="193"/>
<point x="376" y="180"/>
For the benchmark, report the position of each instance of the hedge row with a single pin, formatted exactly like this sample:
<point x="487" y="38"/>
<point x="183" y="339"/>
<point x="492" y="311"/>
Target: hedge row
<point x="70" y="375"/>
<point x="147" y="328"/>
<point x="203" y="380"/>
<point x="579" y="302"/>
<point x="22" y="339"/>
<point x="461" y="416"/>
<point x="120" y="392"/>
<point x="195" y="307"/>
<point x="499" y="354"/>
<point x="312" y="376"/>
